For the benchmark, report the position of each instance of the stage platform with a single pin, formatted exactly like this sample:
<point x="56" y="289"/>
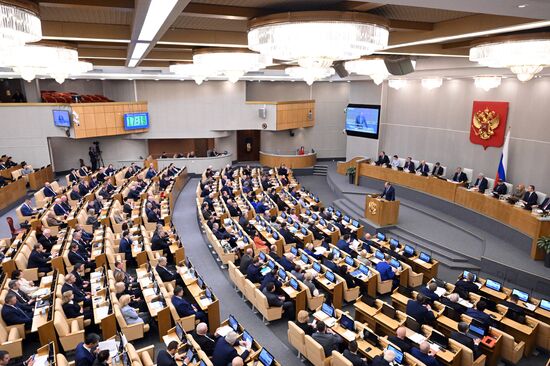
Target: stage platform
<point x="458" y="237"/>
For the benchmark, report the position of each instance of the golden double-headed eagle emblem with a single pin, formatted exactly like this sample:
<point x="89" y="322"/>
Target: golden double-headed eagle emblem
<point x="373" y="207"/>
<point x="485" y="123"/>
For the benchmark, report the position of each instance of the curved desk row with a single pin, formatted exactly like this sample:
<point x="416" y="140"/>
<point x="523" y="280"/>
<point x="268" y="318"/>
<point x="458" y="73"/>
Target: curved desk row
<point x="291" y="161"/>
<point x="517" y="218"/>
<point x="194" y="165"/>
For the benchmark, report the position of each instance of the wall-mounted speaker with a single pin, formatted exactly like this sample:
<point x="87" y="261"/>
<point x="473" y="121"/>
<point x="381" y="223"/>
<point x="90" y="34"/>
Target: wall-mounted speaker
<point x="309" y="115"/>
<point x="399" y="65"/>
<point x="340" y="69"/>
<point x="262" y="113"/>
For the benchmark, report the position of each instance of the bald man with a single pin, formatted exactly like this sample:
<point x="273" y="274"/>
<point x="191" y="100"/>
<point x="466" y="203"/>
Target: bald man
<point x="237" y="361"/>
<point x="204" y="339"/>
<point x="425" y="354"/>
<point x="384" y="360"/>
<point x="400" y="339"/>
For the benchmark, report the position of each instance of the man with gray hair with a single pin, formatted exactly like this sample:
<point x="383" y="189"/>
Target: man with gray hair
<point x="384" y="360"/>
<point x="204" y="339"/>
<point x="23" y="300"/>
<point x="452" y="302"/>
<point x="224" y="350"/>
<point x="424" y="354"/>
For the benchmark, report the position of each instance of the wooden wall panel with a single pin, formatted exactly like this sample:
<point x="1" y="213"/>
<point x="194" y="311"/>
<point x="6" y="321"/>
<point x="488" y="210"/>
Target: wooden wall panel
<point x="183" y="146"/>
<point x="292" y="115"/>
<point x="105" y="119"/>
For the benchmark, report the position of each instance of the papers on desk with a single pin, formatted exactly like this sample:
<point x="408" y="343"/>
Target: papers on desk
<point x="417" y="338"/>
<point x="145" y="282"/>
<point x="46" y="279"/>
<point x="148" y="292"/>
<point x="330" y="322"/>
<point x="102" y="312"/>
<point x="95" y="275"/>
<point x="188" y="276"/>
<point x="40" y="360"/>
<point x="110" y="345"/>
<point x="320" y="250"/>
<point x="223" y="331"/>
<point x="205" y="302"/>
<point x="41" y="292"/>
<point x="349" y="335"/>
<point x="435" y="347"/>
<point x="529" y="306"/>
<point x="440" y="291"/>
<point x="156" y="305"/>
<point x="465" y="303"/>
<point x="355" y="244"/>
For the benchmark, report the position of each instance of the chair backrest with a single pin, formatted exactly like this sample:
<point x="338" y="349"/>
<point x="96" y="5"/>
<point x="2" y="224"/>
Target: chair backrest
<point x="467" y="358"/>
<point x="339" y="360"/>
<point x="469" y="173"/>
<point x="314" y="351"/>
<point x="61" y="324"/>
<point x="296" y="336"/>
<point x="509" y="187"/>
<point x="490" y="185"/>
<point x="61" y="360"/>
<point x="540" y="197"/>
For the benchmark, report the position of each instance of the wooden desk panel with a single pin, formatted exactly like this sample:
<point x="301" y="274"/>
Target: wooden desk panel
<point x="12" y="193"/>
<point x="517" y="218"/>
<point x="291" y="161"/>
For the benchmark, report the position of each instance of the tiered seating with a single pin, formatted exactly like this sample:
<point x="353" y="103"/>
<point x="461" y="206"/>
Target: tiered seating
<point x="49" y="96"/>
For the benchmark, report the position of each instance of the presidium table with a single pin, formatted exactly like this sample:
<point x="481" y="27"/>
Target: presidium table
<point x="515" y="217"/>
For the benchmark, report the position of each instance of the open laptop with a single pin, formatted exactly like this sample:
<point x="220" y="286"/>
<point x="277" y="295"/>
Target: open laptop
<point x="326" y="314"/>
<point x="476" y="329"/>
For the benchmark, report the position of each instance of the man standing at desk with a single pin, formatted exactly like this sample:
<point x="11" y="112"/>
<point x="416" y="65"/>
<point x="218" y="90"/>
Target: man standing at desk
<point x="389" y="192"/>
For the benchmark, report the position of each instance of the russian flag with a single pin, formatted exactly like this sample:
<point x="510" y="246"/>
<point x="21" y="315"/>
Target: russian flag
<point x="503" y="164"/>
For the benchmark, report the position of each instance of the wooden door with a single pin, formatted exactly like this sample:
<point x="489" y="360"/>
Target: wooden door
<point x="248" y="145"/>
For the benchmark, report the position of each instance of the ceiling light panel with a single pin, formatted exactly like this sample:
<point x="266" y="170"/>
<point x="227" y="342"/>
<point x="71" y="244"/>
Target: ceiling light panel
<point x="156" y="15"/>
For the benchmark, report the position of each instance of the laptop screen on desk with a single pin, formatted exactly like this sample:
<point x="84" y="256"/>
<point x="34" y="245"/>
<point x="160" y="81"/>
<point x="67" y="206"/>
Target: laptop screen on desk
<point x="347" y="323"/>
<point x="545" y="304"/>
<point x="262" y="256"/>
<point x="247" y="337"/>
<point x="330" y="276"/>
<point x="398" y="353"/>
<point x="271" y="264"/>
<point x="233" y="323"/>
<point x="327" y="309"/>
<point x="346" y="218"/>
<point x="304" y="231"/>
<point x="493" y="285"/>
<point x="265" y="358"/>
<point x="282" y="274"/>
<point x="364" y="269"/>
<point x="304" y="258"/>
<point x="425" y="257"/>
<point x="395" y="263"/>
<point x="355" y="223"/>
<point x="349" y="261"/>
<point x="293" y="250"/>
<point x="294" y="284"/>
<point x="323" y="222"/>
<point x="409" y="250"/>
<point x="381" y="236"/>
<point x="523" y="296"/>
<point x="394" y="243"/>
<point x="317" y="267"/>
<point x="379" y="255"/>
<point x="477" y="330"/>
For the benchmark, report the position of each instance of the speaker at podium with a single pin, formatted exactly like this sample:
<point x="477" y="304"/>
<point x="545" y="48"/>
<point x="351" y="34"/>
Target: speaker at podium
<point x="381" y="212"/>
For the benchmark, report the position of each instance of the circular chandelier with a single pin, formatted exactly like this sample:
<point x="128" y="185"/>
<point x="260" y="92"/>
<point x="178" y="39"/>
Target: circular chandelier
<point x="19" y="23"/>
<point x="309" y="74"/>
<point x="524" y="55"/>
<point x="193" y="71"/>
<point x="432" y="83"/>
<point x="487" y="82"/>
<point x="53" y="59"/>
<point x="315" y="39"/>
<point x="230" y="62"/>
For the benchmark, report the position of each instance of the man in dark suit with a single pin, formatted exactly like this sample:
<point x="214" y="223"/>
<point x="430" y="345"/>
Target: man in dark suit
<point x="79" y="295"/>
<point x="246" y="260"/>
<point x="409" y="165"/>
<point x="160" y="241"/>
<point x="253" y="272"/>
<point x="460" y="176"/>
<point x="184" y="307"/>
<point x="512" y="303"/>
<point x="77" y="256"/>
<point x="326" y="338"/>
<point x="165" y="274"/>
<point x="151" y="172"/>
<point x="352" y="356"/>
<point x="424" y="354"/>
<point x="420" y="310"/>
<point x="58" y="209"/>
<point x="386" y="271"/>
<point x="384" y="360"/>
<point x="39" y="259"/>
<point x="400" y="340"/>
<point x="47" y="240"/>
<point x="530" y="198"/>
<point x="481" y="183"/>
<point x="13" y="313"/>
<point x="285" y="233"/>
<point x="344" y="244"/>
<point x="383" y="159"/>
<point x="169" y="357"/>
<point x="274" y="300"/>
<point x="328" y="262"/>
<point x="27" y="210"/>
<point x="437" y="170"/>
<point x="479" y="313"/>
<point x="48" y="190"/>
<point x="464" y="286"/>
<point x="452" y="302"/>
<point x="75" y="194"/>
<point x="73" y="176"/>
<point x="204" y="339"/>
<point x="152" y="215"/>
<point x="84" y="188"/>
<point x="85" y="352"/>
<point x="429" y="291"/>
<point x="286" y="261"/>
<point x="463" y="338"/>
<point x="389" y="192"/>
<point x="423" y="168"/>
<point x="23" y="300"/>
<point x="125" y="246"/>
<point x="225" y="352"/>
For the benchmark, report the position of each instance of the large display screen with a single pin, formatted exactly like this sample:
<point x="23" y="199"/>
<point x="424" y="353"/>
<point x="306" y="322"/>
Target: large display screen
<point x="363" y="120"/>
<point x="136" y="121"/>
<point x="61" y="118"/>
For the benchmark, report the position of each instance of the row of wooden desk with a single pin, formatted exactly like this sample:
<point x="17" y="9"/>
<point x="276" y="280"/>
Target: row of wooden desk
<point x="12" y="193"/>
<point x="501" y="211"/>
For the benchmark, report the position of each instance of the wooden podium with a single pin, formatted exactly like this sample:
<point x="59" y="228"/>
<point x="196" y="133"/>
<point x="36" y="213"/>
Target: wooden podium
<point x="381" y="212"/>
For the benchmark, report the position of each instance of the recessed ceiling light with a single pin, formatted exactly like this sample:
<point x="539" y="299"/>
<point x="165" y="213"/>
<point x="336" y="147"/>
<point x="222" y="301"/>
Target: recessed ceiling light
<point x="349" y="81"/>
<point x="156" y="79"/>
<point x="522" y="6"/>
<point x="156" y="15"/>
<point x="448" y="78"/>
<point x="102" y="79"/>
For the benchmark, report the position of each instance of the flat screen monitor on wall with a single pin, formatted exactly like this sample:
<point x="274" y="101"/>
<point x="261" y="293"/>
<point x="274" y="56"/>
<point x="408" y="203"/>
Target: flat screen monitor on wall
<point x="136" y="121"/>
<point x="61" y="118"/>
<point x="363" y="120"/>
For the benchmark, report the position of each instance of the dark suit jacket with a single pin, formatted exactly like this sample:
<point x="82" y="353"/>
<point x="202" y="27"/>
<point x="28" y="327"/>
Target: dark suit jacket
<point x="165" y="359"/>
<point x="329" y="342"/>
<point x="454" y="305"/>
<point x="424" y="169"/>
<point x="59" y="210"/>
<point x="40" y="261"/>
<point x="403" y="344"/>
<point x="437" y="170"/>
<point x="253" y="274"/>
<point x="379" y="361"/>
<point x="165" y="274"/>
<point x="224" y="353"/>
<point x="354" y="358"/>
<point x="125" y="247"/>
<point x="409" y="166"/>
<point x="467" y="341"/>
<point x="501" y="189"/>
<point x="479" y="315"/>
<point x="75" y="258"/>
<point x="460" y="178"/>
<point x="183" y="307"/>
<point x="82" y="356"/>
<point x="75" y="196"/>
<point x="389" y="193"/>
<point x="426" y="359"/>
<point x="530" y="198"/>
<point x="71" y="310"/>
<point x="419" y="312"/>
<point x="13" y="316"/>
<point x="428" y="293"/>
<point x="545" y="205"/>
<point x="481" y="184"/>
<point x="463" y="288"/>
<point x="78" y="294"/>
<point x="207" y="342"/>
<point x="245" y="262"/>
<point x="383" y="160"/>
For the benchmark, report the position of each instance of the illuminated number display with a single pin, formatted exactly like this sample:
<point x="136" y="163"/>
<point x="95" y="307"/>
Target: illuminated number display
<point x="136" y="121"/>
